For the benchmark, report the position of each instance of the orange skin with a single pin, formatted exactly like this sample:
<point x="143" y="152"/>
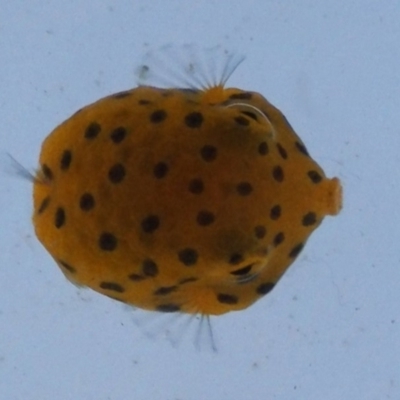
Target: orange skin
<point x="179" y="200"/>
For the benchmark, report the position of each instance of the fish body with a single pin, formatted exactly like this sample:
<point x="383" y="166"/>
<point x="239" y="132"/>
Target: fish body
<point x="189" y="200"/>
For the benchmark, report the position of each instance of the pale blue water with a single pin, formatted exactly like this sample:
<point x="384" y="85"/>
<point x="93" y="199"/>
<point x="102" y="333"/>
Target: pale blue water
<point x="330" y="329"/>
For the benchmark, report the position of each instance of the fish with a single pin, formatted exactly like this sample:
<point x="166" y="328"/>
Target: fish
<point x="192" y="199"/>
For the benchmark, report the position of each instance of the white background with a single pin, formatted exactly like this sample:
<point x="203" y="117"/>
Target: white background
<point x="330" y="329"/>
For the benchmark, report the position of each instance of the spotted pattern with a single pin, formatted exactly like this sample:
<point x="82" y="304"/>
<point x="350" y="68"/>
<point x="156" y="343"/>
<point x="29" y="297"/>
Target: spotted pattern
<point x="92" y="130"/>
<point x="86" y="202"/>
<point x="168" y="308"/>
<point x="282" y="152"/>
<point x="158" y="116"/>
<point x="165" y="290"/>
<point x="314" y="176"/>
<point x="118" y="134"/>
<point x="260" y="231"/>
<point x="116" y="173"/>
<point x="176" y="199"/>
<point x="263" y="148"/>
<point x="44" y="204"/>
<point x="188" y="256"/>
<point x="66" y="159"/>
<point x="47" y="172"/>
<point x="115" y="287"/>
<point x="208" y="153"/>
<point x="279" y="238"/>
<point x="160" y="170"/>
<point x="278" y="174"/>
<point x="150" y="224"/>
<point x="227" y="298"/>
<point x="59" y="218"/>
<point x="275" y="212"/>
<point x="205" y="218"/>
<point x="265" y="288"/>
<point x="196" y="186"/>
<point x="236" y="258"/>
<point x="107" y="241"/>
<point x="67" y="266"/>
<point x="194" y="120"/>
<point x="309" y="219"/>
<point x="244" y="188"/>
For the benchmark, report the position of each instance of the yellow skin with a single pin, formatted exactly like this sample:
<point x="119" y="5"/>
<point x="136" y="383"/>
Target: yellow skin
<point x="179" y="200"/>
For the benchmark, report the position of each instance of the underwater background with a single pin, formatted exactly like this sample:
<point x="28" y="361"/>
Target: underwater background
<point x="330" y="328"/>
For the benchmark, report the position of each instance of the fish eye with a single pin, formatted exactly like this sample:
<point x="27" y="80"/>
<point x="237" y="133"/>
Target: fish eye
<point x="254" y="113"/>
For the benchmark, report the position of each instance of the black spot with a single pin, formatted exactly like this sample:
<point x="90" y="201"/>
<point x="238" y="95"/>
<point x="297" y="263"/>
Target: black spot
<point x="59" y="218"/>
<point x="188" y="256"/>
<point x="314" y="176"/>
<point x="165" y="290"/>
<point x="242" y="121"/>
<point x="187" y="280"/>
<point x="136" y="277"/>
<point x="67" y="266"/>
<point x="275" y="212"/>
<point x="208" y="153"/>
<point x="66" y="159"/>
<point x="263" y="148"/>
<point x="309" y="219"/>
<point x="205" y="218"/>
<point x="250" y="115"/>
<point x="260" y="231"/>
<point x="118" y="134"/>
<point x="47" y="172"/>
<point x="86" y="202"/>
<point x="150" y="224"/>
<point x="149" y="268"/>
<point x="158" y="116"/>
<point x="296" y="250"/>
<point x="107" y="241"/>
<point x="116" y="173"/>
<point x="194" y="120"/>
<point x="227" y="298"/>
<point x="277" y="173"/>
<point x="265" y="288"/>
<point x="235" y="258"/>
<point x="242" y="271"/>
<point x="44" y="204"/>
<point x="92" y="130"/>
<point x="302" y="148"/>
<point x="121" y="95"/>
<point x="144" y="102"/>
<point x="279" y="238"/>
<point x="168" y="307"/>
<point x="244" y="188"/>
<point x="160" y="170"/>
<point x="196" y="186"/>
<point x="115" y="287"/>
<point x="241" y="96"/>
<point x="282" y="151"/>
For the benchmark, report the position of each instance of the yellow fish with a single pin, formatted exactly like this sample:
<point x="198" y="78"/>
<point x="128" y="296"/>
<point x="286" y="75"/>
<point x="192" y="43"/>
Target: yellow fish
<point x="192" y="200"/>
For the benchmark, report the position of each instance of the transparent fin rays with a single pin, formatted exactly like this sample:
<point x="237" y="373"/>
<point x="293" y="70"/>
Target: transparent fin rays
<point x="187" y="66"/>
<point x="175" y="327"/>
<point x="14" y="167"/>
